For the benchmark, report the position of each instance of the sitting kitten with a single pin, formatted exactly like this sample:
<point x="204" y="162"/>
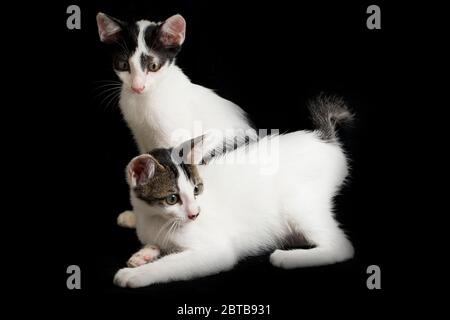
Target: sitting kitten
<point x="206" y="218"/>
<point x="157" y="98"/>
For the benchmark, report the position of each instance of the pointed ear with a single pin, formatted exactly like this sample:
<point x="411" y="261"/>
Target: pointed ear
<point x="141" y="169"/>
<point x="108" y="28"/>
<point x="194" y="150"/>
<point x="173" y="31"/>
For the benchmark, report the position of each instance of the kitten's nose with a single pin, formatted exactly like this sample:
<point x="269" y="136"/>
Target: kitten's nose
<point x="138" y="89"/>
<point x="193" y="216"/>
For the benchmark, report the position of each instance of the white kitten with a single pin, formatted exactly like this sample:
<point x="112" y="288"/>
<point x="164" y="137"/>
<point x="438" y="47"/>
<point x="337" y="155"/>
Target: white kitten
<point x="205" y="218"/>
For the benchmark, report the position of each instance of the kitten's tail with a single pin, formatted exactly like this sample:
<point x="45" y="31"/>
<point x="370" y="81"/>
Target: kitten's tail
<point x="328" y="111"/>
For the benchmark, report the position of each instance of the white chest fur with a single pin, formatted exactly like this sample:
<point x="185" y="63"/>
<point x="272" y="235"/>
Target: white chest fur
<point x="174" y="110"/>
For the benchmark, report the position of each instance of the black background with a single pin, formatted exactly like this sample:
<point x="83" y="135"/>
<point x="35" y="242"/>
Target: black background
<point x="269" y="58"/>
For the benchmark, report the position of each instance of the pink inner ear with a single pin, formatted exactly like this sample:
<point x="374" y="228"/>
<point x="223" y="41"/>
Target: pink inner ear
<point x="108" y="30"/>
<point x="141" y="169"/>
<point x="174" y="30"/>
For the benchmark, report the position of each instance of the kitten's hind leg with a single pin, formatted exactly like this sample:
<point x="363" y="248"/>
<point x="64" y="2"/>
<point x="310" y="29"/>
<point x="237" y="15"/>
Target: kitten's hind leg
<point x="127" y="219"/>
<point x="146" y="255"/>
<point x="330" y="244"/>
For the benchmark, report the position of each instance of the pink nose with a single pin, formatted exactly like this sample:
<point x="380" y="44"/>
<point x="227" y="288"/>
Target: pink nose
<point x="138" y="89"/>
<point x="193" y="216"/>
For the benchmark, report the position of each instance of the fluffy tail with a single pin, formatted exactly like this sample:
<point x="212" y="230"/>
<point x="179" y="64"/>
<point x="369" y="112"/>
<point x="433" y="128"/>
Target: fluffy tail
<point x="327" y="112"/>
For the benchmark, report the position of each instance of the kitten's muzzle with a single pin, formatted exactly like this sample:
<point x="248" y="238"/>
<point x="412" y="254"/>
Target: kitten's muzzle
<point x="193" y="216"/>
<point x="138" y="89"/>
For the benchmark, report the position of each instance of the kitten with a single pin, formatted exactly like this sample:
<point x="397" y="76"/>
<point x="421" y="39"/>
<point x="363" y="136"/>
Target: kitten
<point x="205" y="218"/>
<point x="158" y="101"/>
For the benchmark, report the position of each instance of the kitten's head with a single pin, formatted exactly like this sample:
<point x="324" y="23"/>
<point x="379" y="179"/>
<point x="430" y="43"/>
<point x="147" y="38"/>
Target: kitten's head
<point x="165" y="185"/>
<point x="143" y="50"/>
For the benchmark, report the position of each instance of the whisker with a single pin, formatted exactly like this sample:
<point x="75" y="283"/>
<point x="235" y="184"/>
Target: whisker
<point x="166" y="237"/>
<point x="173" y="229"/>
<point x="107" y="80"/>
<point x="111" y="87"/>
<point x="115" y="100"/>
<point x="113" y="97"/>
<point x="162" y="229"/>
<point x="108" y="96"/>
<point x="108" y="85"/>
<point x="105" y="91"/>
<point x="177" y="225"/>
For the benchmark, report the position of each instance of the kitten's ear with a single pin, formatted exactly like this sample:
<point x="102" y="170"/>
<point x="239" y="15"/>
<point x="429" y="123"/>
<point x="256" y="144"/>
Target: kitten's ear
<point x="141" y="169"/>
<point x="173" y="31"/>
<point x="193" y="151"/>
<point x="108" y="28"/>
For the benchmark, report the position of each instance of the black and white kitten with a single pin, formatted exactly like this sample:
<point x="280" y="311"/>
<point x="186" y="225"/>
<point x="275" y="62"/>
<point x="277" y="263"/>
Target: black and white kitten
<point x="161" y="106"/>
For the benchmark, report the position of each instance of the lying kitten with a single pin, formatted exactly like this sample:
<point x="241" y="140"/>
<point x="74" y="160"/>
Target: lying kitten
<point x="156" y="97"/>
<point x="206" y="218"/>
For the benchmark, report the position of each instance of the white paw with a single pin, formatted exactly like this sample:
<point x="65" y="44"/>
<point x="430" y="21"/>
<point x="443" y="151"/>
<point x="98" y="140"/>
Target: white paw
<point x="127" y="277"/>
<point x="133" y="277"/>
<point x="127" y="219"/>
<point x="278" y="259"/>
<point x="143" y="256"/>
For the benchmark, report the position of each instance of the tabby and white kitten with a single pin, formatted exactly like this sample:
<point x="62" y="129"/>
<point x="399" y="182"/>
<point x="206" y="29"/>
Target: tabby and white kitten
<point x="205" y="218"/>
<point x="157" y="98"/>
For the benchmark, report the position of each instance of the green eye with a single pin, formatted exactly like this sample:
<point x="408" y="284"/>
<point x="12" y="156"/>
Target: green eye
<point x="198" y="189"/>
<point x="153" y="67"/>
<point x="172" y="199"/>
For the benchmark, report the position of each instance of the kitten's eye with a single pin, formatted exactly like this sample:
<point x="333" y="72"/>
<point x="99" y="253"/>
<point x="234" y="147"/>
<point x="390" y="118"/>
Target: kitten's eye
<point x="122" y="65"/>
<point x="198" y="189"/>
<point x="153" y="67"/>
<point x="172" y="199"/>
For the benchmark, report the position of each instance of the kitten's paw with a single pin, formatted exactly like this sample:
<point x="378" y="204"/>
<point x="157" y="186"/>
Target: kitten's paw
<point x="143" y="256"/>
<point x="127" y="219"/>
<point x="123" y="275"/>
<point x="278" y="259"/>
<point x="131" y="278"/>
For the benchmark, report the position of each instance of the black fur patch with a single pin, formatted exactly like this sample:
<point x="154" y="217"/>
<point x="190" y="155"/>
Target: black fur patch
<point x="165" y="159"/>
<point x="152" y="39"/>
<point x="127" y="42"/>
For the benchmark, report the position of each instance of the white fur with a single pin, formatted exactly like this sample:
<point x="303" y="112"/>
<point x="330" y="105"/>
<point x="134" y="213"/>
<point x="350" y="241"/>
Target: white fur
<point x="171" y="104"/>
<point x="245" y="212"/>
<point x="171" y="108"/>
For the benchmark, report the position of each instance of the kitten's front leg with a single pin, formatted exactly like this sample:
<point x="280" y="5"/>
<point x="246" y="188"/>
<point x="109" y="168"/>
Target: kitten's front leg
<point x="146" y="255"/>
<point x="185" y="265"/>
